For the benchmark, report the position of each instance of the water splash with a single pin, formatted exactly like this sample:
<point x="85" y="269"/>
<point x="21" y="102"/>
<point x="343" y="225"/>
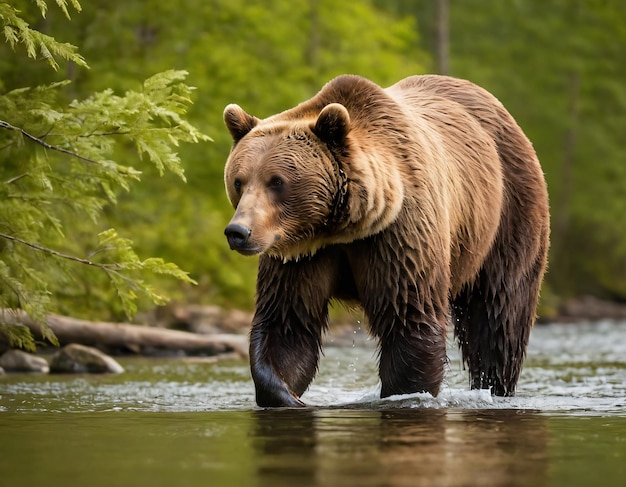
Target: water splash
<point x="570" y="368"/>
<point x="577" y="369"/>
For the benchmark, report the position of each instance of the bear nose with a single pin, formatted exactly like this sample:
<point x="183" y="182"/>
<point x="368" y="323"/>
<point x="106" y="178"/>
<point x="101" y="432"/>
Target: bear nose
<point x="237" y="235"/>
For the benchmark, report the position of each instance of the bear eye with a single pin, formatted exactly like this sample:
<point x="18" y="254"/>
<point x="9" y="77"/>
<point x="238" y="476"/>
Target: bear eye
<point x="276" y="182"/>
<point x="237" y="185"/>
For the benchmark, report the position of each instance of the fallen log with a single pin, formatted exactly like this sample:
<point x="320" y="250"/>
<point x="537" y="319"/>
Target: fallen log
<point x="136" y="338"/>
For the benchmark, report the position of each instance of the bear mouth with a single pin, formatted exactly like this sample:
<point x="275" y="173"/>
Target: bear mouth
<point x="248" y="250"/>
<point x="245" y="248"/>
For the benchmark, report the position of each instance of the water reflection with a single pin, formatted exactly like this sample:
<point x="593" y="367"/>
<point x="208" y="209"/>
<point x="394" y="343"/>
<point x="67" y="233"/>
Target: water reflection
<point x="312" y="448"/>
<point x="400" y="447"/>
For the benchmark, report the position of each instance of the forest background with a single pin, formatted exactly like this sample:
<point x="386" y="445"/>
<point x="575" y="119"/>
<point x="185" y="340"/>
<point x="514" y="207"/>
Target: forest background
<point x="558" y="66"/>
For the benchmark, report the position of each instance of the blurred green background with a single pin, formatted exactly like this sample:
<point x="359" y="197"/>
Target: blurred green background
<point x="558" y="66"/>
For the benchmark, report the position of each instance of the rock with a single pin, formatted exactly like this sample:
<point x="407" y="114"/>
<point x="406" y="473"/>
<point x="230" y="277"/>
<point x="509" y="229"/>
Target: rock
<point x="201" y="319"/>
<point x="19" y="361"/>
<point x="590" y="308"/>
<point x="80" y="359"/>
<point x="1" y="371"/>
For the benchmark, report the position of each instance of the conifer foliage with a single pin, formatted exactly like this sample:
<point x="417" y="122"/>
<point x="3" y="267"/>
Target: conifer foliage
<point x="59" y="168"/>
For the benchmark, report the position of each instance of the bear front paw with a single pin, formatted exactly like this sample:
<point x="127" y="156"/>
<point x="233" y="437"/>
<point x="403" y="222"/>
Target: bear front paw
<point x="280" y="398"/>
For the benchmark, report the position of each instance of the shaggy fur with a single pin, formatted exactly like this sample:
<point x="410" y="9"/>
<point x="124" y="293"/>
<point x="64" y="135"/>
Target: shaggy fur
<point x="423" y="202"/>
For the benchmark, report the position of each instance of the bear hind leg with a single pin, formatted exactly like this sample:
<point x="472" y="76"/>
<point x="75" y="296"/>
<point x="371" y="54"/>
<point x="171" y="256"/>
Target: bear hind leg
<point x="492" y="324"/>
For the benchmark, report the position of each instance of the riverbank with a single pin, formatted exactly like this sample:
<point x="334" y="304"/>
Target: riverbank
<point x="586" y="309"/>
<point x="213" y="319"/>
<point x="199" y="330"/>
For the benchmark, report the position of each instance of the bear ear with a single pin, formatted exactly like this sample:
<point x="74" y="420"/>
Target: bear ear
<point x="333" y="124"/>
<point x="238" y="122"/>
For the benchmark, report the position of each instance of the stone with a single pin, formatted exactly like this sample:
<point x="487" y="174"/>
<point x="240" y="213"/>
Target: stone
<point x="20" y="361"/>
<point x="80" y="359"/>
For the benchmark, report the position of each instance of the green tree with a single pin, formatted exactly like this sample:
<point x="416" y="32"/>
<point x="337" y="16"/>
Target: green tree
<point x="563" y="79"/>
<point x="266" y="56"/>
<point x="557" y="66"/>
<point x="58" y="174"/>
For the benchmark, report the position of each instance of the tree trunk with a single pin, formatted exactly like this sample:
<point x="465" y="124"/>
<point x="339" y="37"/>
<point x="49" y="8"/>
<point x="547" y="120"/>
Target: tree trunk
<point x="136" y="338"/>
<point x="562" y="253"/>
<point x="569" y="149"/>
<point x="442" y="44"/>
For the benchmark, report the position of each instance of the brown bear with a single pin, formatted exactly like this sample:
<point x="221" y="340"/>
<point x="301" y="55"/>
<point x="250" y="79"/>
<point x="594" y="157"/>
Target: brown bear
<point x="423" y="202"/>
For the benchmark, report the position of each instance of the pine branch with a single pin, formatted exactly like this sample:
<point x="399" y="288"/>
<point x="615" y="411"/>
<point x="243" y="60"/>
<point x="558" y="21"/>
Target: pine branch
<point x="17" y="31"/>
<point x="56" y="253"/>
<point x="125" y="285"/>
<point x="7" y="125"/>
<point x="59" y="160"/>
<point x="112" y="270"/>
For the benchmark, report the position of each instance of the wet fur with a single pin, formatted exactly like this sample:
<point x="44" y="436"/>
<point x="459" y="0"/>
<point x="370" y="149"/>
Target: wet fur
<point x="424" y="202"/>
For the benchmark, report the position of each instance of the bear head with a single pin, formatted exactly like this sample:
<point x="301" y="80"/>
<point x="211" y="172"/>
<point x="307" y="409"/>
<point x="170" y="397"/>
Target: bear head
<point x="286" y="179"/>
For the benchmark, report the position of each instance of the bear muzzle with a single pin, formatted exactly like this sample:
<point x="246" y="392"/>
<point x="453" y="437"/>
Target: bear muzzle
<point x="238" y="237"/>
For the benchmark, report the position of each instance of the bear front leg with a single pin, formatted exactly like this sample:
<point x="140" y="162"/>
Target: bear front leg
<point x="286" y="335"/>
<point x="411" y="332"/>
<point x="407" y="307"/>
<point x="281" y="371"/>
<point x="412" y="358"/>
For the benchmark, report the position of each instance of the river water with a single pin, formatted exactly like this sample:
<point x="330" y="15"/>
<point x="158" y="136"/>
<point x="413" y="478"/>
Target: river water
<point x="175" y="422"/>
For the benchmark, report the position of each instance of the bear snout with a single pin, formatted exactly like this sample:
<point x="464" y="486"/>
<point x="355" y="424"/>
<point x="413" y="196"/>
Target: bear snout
<point x="237" y="236"/>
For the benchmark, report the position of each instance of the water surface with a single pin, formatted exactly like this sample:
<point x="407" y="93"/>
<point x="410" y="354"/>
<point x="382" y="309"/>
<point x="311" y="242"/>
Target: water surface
<point x="177" y="423"/>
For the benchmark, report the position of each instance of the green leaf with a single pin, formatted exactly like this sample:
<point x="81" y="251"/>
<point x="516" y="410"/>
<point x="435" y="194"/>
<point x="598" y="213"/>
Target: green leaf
<point x="17" y="31"/>
<point x="18" y="336"/>
<point x="62" y="167"/>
